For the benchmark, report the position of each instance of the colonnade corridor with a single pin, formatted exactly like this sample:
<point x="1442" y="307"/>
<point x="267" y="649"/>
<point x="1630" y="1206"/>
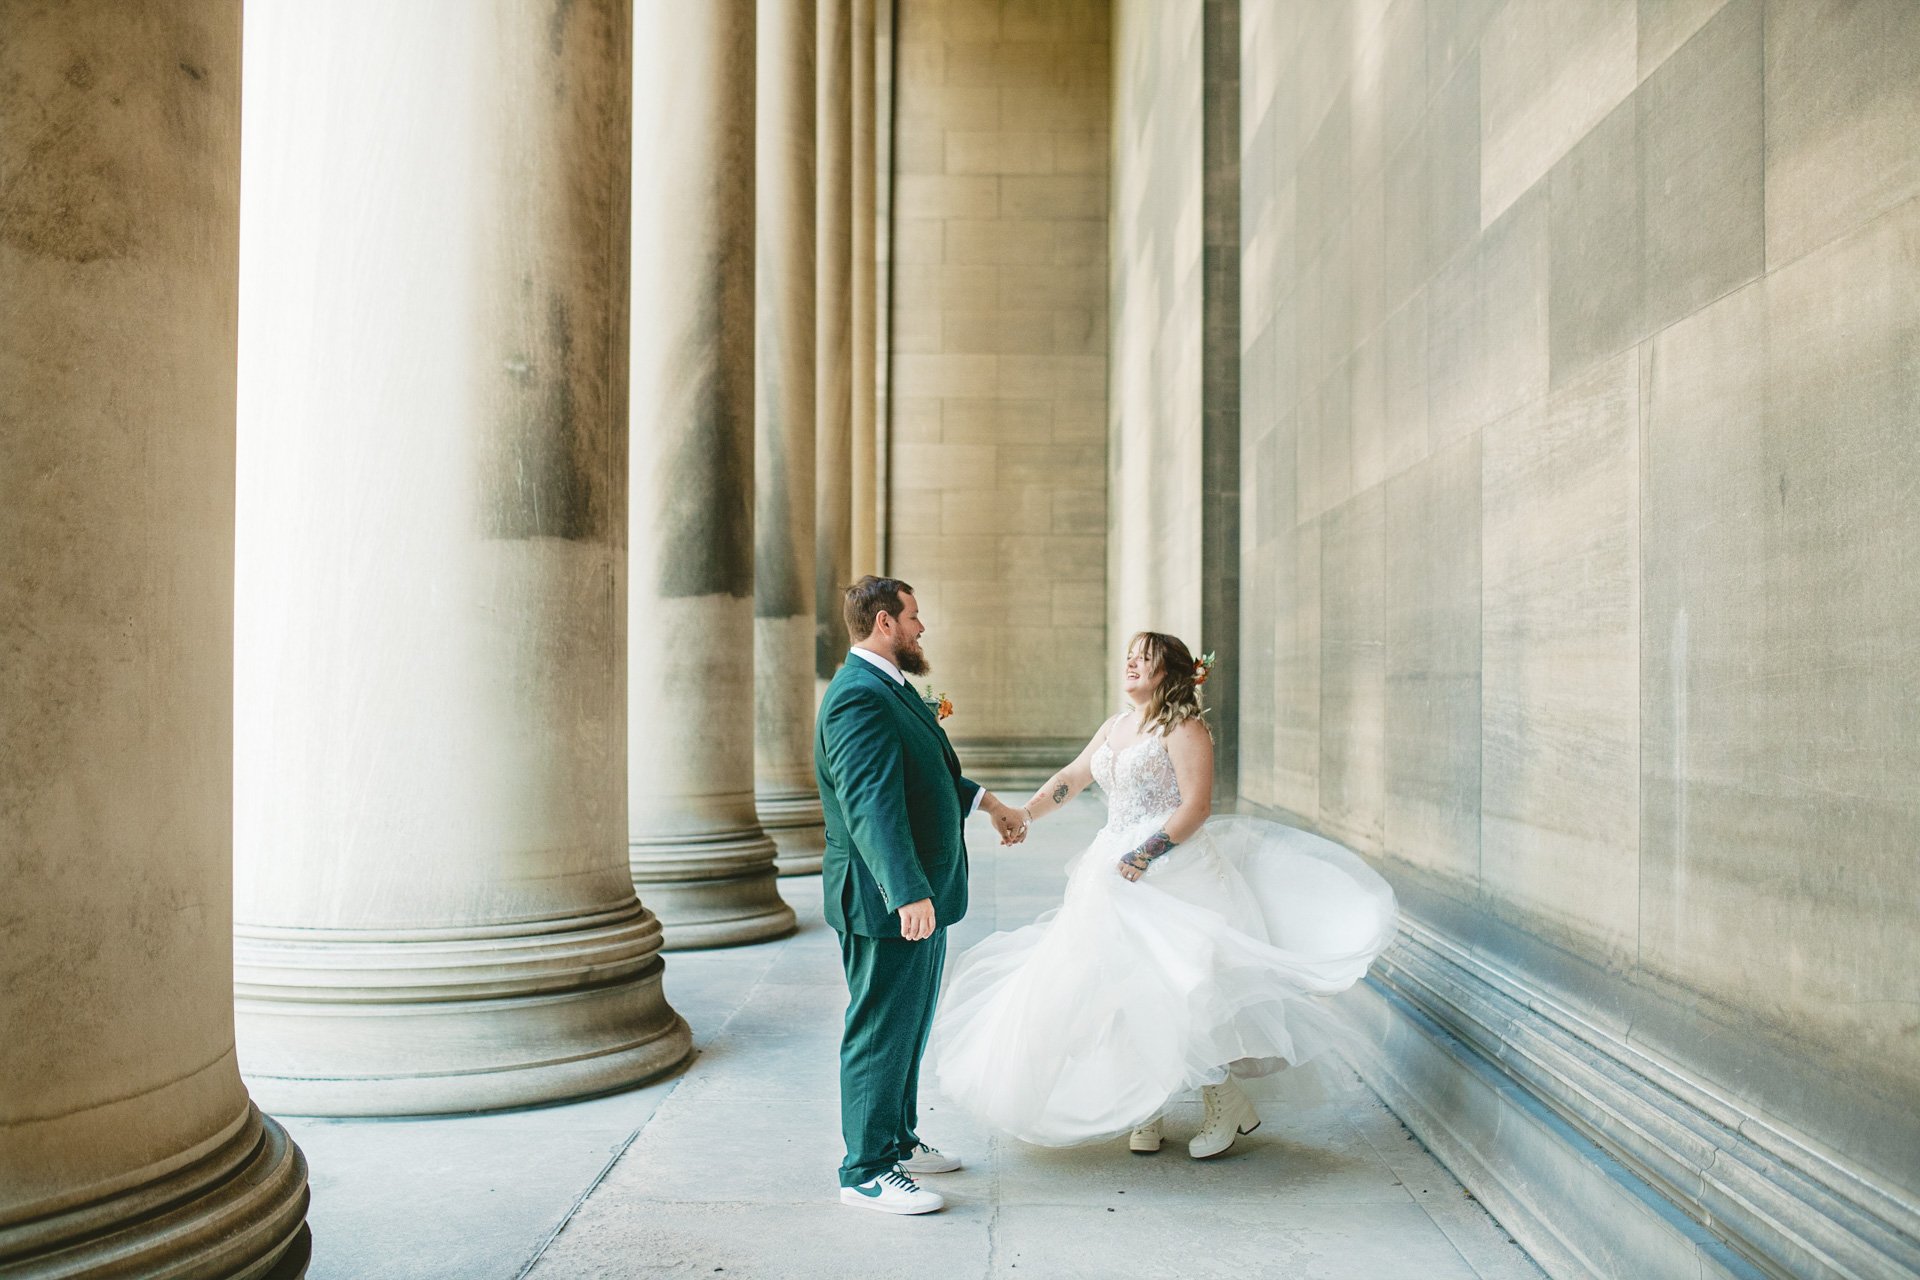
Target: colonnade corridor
<point x="728" y="1170"/>
<point x="437" y="441"/>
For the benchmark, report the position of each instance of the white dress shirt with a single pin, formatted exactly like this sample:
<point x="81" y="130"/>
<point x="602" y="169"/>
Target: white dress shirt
<point x="893" y="673"/>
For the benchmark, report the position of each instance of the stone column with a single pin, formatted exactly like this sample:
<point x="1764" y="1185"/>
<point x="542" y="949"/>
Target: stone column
<point x="128" y="1145"/>
<point x="433" y="901"/>
<point x="695" y="843"/>
<point x="866" y="441"/>
<point x="788" y="800"/>
<point x="833" y="307"/>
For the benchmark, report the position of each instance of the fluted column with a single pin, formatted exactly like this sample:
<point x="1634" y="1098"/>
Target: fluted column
<point x="128" y="1145"/>
<point x="833" y="307"/>
<point x="434" y="912"/>
<point x="865" y="438"/>
<point x="697" y="850"/>
<point x="788" y="799"/>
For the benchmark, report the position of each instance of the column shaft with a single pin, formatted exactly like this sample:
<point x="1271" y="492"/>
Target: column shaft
<point x="788" y="799"/>
<point x="128" y="1144"/>
<point x="863" y="483"/>
<point x="833" y="305"/>
<point x="695" y="844"/>
<point x="433" y="900"/>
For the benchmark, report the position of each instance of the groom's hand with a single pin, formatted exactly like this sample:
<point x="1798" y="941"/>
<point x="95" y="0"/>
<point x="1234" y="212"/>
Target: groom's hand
<point x="1011" y="823"/>
<point x="916" y="920"/>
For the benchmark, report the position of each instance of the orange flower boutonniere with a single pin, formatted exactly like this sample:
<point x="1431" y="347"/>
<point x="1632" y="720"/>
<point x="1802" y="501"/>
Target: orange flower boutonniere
<point x="940" y="704"/>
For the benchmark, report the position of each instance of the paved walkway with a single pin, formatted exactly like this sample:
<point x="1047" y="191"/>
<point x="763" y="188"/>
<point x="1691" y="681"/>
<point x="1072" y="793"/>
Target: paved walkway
<point x="729" y="1169"/>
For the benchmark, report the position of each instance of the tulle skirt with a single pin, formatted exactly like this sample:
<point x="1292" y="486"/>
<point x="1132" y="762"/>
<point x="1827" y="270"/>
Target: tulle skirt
<point x="1082" y="1025"/>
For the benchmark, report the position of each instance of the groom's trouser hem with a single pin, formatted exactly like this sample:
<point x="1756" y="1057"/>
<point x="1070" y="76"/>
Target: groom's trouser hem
<point x="892" y="985"/>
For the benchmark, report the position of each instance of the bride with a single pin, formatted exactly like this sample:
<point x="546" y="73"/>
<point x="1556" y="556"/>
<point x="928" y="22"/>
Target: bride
<point x="1189" y="950"/>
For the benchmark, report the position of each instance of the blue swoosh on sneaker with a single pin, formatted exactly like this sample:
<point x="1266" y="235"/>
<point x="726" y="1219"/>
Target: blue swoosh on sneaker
<point x="871" y="1195"/>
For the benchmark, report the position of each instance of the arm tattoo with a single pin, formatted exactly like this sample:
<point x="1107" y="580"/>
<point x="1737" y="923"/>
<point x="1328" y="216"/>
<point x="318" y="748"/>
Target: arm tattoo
<point x="1153" y="847"/>
<point x="1060" y="794"/>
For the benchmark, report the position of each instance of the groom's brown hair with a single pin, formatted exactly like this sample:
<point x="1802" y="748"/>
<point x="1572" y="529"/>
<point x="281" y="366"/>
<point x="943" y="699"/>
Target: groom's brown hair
<point x="870" y="597"/>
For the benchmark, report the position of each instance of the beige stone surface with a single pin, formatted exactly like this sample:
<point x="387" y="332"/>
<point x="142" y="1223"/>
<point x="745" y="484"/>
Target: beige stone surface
<point x="1560" y="667"/>
<point x="433" y="911"/>
<point x="1779" y="737"/>
<point x="833" y="329"/>
<point x="1297" y="672"/>
<point x="1432" y="713"/>
<point x="786" y="798"/>
<point x="862" y="283"/>
<point x="1487" y="324"/>
<point x="1155" y="431"/>
<point x="1353" y="672"/>
<point x="1702" y="138"/>
<point x="997" y="493"/>
<point x="1842" y="104"/>
<point x="1665" y="25"/>
<point x="1544" y="233"/>
<point x="1549" y="72"/>
<point x="119" y="247"/>
<point x="1596" y="236"/>
<point x="695" y="844"/>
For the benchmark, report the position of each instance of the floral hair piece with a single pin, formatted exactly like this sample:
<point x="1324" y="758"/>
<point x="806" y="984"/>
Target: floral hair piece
<point x="1203" y="668"/>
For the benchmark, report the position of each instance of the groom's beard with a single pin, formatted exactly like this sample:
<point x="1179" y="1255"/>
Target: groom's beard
<point x="911" y="659"/>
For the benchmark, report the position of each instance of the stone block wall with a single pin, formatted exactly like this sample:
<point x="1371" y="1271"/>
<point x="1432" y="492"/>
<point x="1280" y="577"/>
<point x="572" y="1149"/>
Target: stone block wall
<point x="1578" y="477"/>
<point x="998" y="353"/>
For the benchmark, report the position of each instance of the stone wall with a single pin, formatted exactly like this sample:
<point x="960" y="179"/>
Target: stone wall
<point x="998" y="324"/>
<point x="1581" y="355"/>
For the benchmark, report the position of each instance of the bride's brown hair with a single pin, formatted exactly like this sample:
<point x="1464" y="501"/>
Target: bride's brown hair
<point x="1176" y="699"/>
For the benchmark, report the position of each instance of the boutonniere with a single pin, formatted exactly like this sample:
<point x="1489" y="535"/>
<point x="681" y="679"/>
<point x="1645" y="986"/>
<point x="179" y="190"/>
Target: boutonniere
<point x="940" y="704"/>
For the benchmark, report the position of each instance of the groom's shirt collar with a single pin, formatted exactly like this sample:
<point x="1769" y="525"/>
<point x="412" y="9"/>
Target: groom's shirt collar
<point x="892" y="672"/>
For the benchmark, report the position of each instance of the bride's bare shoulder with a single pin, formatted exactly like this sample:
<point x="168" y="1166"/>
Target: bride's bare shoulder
<point x="1190" y="737"/>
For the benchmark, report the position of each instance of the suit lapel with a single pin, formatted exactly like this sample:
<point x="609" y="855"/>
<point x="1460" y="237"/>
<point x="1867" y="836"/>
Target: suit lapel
<point x="917" y="708"/>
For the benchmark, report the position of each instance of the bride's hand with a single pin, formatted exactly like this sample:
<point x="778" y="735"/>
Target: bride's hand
<point x="1135" y="864"/>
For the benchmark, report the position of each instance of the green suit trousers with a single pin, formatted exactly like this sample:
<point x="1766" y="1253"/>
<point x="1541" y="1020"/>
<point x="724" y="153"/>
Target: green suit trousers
<point x="891" y="985"/>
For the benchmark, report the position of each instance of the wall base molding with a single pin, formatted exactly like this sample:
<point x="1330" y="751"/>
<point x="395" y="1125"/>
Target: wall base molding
<point x="1015" y="762"/>
<point x="1600" y="1159"/>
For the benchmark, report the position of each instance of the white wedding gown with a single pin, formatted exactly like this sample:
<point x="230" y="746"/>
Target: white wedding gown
<point x="1081" y="1025"/>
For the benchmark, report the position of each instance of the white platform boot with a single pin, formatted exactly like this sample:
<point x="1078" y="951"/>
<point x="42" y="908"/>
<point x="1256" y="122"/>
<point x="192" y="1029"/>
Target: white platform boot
<point x="1230" y="1113"/>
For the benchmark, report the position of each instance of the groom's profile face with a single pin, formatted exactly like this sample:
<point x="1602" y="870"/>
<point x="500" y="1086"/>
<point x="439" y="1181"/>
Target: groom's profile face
<point x="907" y="630"/>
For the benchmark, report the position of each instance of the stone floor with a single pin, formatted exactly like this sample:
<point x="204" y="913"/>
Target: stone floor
<point x="729" y="1168"/>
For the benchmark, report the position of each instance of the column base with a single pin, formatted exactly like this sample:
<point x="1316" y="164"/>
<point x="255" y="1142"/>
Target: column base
<point x="238" y="1212"/>
<point x="717" y="891"/>
<point x="355" y="1023"/>
<point x="792" y="820"/>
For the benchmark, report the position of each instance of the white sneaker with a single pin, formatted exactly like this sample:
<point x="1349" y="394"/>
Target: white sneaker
<point x="892" y="1192"/>
<point x="1230" y="1113"/>
<point x="1146" y="1138"/>
<point x="926" y="1159"/>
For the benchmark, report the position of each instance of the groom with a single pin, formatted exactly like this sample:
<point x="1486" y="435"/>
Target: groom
<point x="895" y="877"/>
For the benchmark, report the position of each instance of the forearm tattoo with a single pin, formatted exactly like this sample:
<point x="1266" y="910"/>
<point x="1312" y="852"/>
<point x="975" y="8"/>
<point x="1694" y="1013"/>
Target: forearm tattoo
<point x="1060" y="794"/>
<point x="1153" y="847"/>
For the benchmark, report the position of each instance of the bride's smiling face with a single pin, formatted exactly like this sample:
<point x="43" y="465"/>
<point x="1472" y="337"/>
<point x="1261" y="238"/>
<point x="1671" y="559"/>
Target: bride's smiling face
<point x="1140" y="675"/>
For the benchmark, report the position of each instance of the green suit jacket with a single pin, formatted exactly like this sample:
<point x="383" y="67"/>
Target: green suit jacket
<point x="894" y="801"/>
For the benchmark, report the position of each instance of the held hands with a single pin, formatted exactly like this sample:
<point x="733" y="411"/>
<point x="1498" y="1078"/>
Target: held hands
<point x="916" y="920"/>
<point x="1011" y="823"/>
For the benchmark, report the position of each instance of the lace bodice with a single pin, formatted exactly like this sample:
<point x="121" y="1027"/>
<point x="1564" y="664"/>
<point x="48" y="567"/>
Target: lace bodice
<point x="1139" y="782"/>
